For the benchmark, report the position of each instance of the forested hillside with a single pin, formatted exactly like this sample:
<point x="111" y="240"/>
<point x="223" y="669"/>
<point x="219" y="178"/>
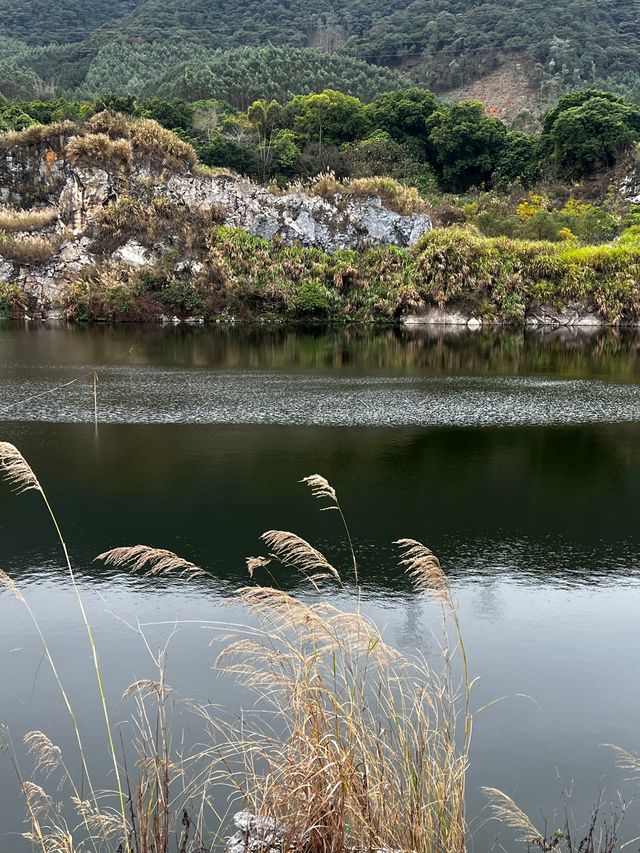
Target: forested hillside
<point x="190" y="47"/>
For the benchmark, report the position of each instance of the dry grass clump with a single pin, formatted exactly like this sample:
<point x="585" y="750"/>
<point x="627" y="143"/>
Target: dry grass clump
<point x="98" y="149"/>
<point x="26" y="250"/>
<point x="112" y="124"/>
<point x="353" y="744"/>
<point x="394" y="195"/>
<point x="365" y="755"/>
<point x="152" y="142"/>
<point x="12" y="219"/>
<point x="151" y="223"/>
<point x="37" y="134"/>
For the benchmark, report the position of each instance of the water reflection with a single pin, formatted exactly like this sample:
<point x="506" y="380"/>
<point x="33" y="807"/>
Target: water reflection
<point x="536" y="524"/>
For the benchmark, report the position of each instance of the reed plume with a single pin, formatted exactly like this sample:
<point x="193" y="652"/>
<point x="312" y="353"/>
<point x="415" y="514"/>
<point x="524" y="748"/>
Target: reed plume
<point x="47" y="756"/>
<point x="16" y="470"/>
<point x="629" y="761"/>
<point x="292" y="550"/>
<point x="320" y="487"/>
<point x="255" y="563"/>
<point x="150" y="561"/>
<point x="11" y="586"/>
<point x="506" y="811"/>
<point x="423" y="568"/>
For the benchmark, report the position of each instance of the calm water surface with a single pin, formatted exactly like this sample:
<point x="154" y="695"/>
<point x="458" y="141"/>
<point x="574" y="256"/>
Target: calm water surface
<point x="515" y="457"/>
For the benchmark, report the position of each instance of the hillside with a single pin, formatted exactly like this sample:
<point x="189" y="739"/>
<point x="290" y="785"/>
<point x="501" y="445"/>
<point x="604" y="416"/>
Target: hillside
<point x="93" y="47"/>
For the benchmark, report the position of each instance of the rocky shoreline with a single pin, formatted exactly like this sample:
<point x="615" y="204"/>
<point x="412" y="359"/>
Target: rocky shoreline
<point x="97" y="235"/>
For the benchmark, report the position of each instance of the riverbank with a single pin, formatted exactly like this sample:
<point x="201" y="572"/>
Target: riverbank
<point x="118" y="222"/>
<point x="451" y="276"/>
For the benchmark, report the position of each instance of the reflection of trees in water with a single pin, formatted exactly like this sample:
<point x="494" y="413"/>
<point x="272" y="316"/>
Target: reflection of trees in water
<point x="563" y="352"/>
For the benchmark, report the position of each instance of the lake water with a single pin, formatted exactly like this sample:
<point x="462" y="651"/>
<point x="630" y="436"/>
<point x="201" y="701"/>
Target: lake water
<point x="515" y="456"/>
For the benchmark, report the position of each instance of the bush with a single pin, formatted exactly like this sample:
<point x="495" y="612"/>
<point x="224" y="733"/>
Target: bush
<point x="314" y="299"/>
<point x="13" y="300"/>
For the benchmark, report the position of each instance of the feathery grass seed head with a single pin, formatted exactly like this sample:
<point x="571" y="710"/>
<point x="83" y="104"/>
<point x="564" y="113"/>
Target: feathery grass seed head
<point x="16" y="470"/>
<point x="320" y="487"/>
<point x="506" y="811"/>
<point x="254" y="563"/>
<point x="291" y="549"/>
<point x="47" y="756"/>
<point x="150" y="561"/>
<point x="10" y="585"/>
<point x="423" y="567"/>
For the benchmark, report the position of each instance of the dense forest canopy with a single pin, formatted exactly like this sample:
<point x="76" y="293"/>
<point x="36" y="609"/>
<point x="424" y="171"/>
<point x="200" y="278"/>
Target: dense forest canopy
<point x="87" y="48"/>
<point x="409" y="135"/>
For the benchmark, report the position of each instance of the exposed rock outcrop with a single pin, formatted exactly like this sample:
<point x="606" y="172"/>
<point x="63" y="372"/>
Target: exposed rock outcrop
<point x="630" y="186"/>
<point x="342" y="223"/>
<point x="41" y="174"/>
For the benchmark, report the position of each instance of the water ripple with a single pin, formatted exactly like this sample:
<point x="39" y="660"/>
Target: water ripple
<point x="156" y="395"/>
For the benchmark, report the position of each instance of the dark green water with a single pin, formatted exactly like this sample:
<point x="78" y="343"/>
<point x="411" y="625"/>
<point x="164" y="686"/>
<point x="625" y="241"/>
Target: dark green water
<point x="515" y="457"/>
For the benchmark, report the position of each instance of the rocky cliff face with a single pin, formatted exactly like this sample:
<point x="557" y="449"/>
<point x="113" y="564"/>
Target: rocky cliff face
<point x="42" y="175"/>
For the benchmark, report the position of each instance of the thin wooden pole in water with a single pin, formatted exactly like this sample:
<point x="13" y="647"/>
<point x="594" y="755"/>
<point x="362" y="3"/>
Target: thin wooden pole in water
<point x="95" y="399"/>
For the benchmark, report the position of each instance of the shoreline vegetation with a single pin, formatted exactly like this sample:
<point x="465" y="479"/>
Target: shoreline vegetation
<point x="538" y="228"/>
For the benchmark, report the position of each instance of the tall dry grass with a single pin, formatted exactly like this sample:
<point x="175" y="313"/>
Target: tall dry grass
<point x="29" y="249"/>
<point x="355" y="743"/>
<point x="12" y="219"/>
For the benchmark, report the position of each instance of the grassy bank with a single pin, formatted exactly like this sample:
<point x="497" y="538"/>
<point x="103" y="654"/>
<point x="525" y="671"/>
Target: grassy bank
<point x="230" y="273"/>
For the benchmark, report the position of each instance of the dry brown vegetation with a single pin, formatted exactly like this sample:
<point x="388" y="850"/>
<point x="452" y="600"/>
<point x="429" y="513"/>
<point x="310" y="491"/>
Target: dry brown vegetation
<point x="366" y="753"/>
<point x="13" y="219"/>
<point x="129" y="218"/>
<point x="396" y="196"/>
<point x="98" y="149"/>
<point x="114" y="125"/>
<point x="150" y="141"/>
<point x="38" y="134"/>
<point x="26" y="250"/>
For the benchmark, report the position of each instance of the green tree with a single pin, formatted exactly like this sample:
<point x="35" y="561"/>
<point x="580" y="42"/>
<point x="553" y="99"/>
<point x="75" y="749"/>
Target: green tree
<point x="329" y="118"/>
<point x="467" y="144"/>
<point x="591" y="136"/>
<point x="174" y="114"/>
<point x="404" y="114"/>
<point x="519" y="159"/>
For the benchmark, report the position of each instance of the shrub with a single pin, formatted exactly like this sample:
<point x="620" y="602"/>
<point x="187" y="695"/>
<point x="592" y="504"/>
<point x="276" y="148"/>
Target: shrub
<point x="13" y="300"/>
<point x="314" y="299"/>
